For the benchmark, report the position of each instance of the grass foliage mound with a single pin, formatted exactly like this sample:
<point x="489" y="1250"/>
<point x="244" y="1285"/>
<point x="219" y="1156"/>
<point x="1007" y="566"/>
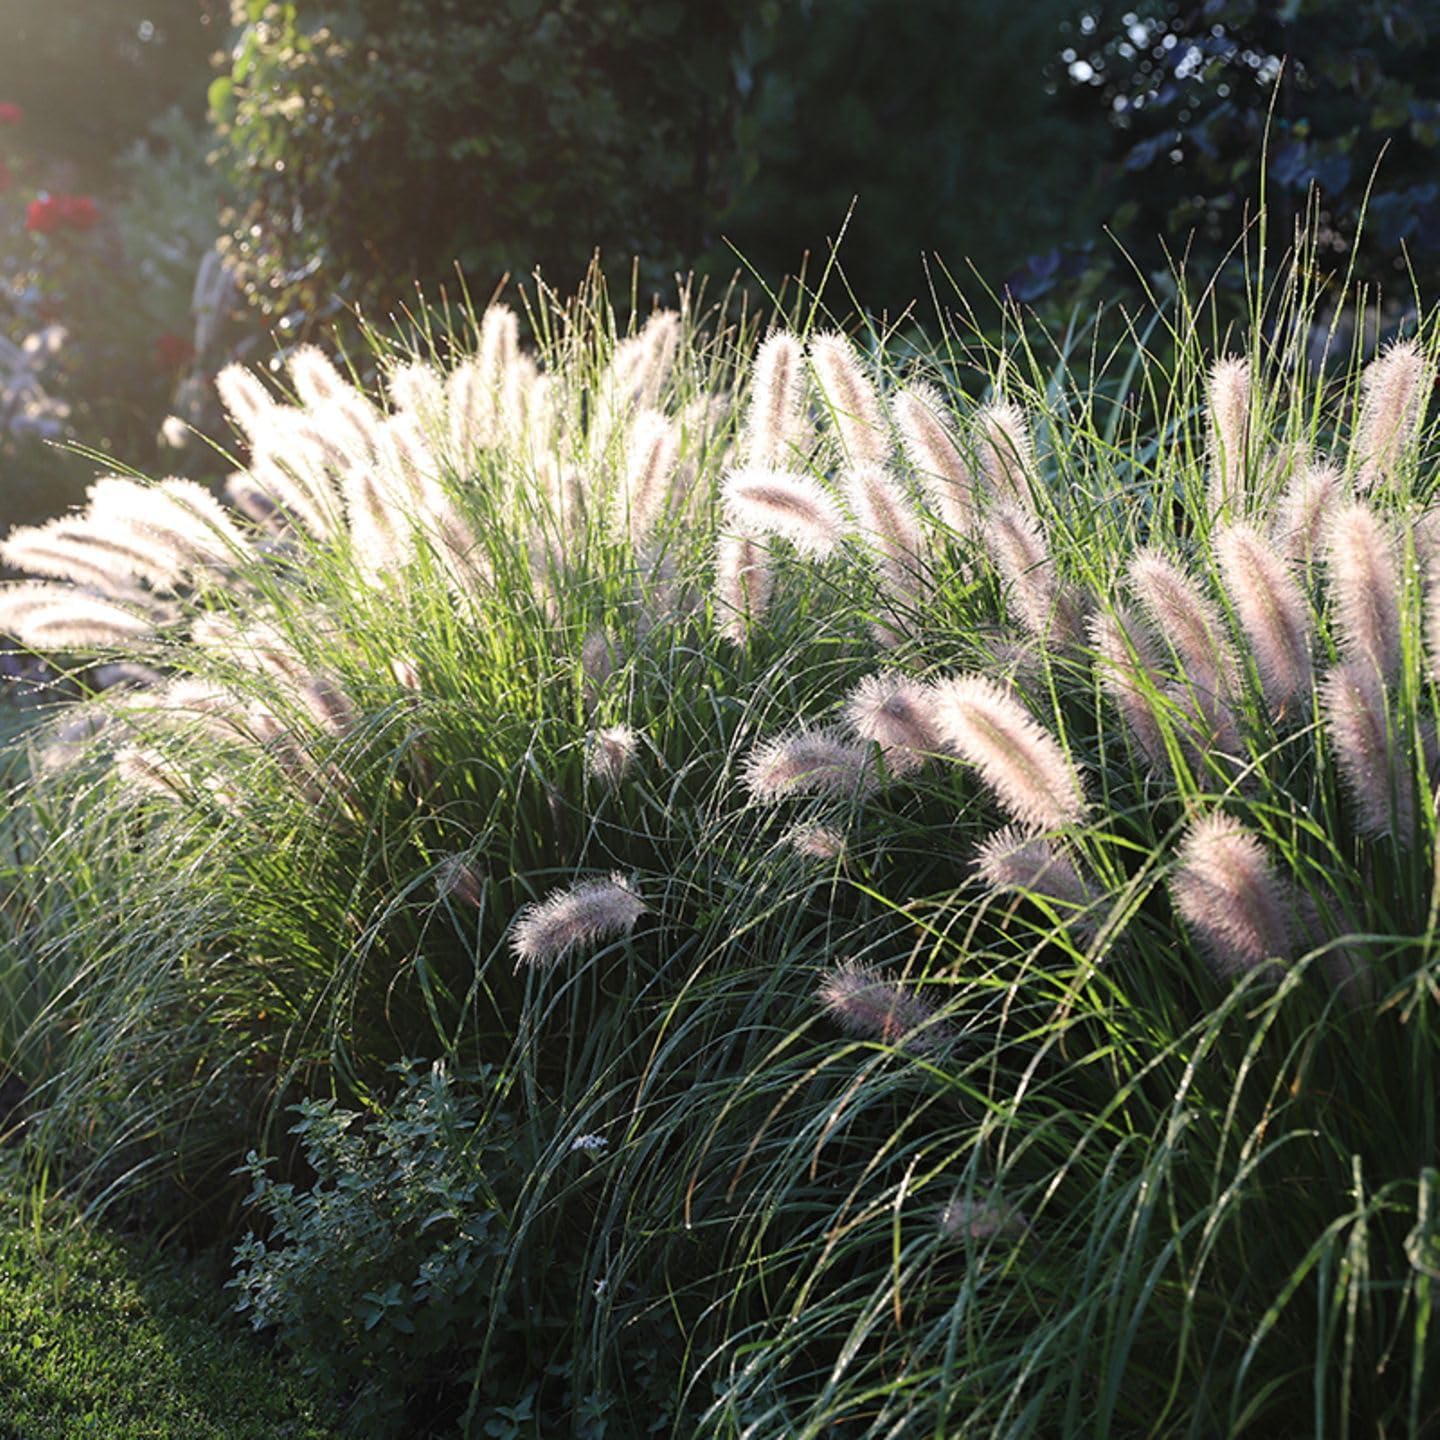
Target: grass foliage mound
<point x="796" y="902"/>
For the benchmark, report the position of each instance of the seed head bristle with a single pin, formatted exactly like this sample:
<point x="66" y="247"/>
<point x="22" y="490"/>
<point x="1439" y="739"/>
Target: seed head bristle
<point x="582" y="916"/>
<point x="809" y="762"/>
<point x="1227" y="891"/>
<point x="1128" y="661"/>
<point x="1369" y="752"/>
<point x="934" y="453"/>
<point x="897" y="714"/>
<point x="1229" y="417"/>
<point x="1044" y="606"/>
<point x="1365" y="583"/>
<point x="1010" y="861"/>
<point x="613" y="752"/>
<point x="850" y="396"/>
<point x="743" y="584"/>
<point x="794" y="507"/>
<point x="1273" y="612"/>
<point x="1006" y="452"/>
<point x="1191" y="623"/>
<point x="1030" y="776"/>
<point x="776" y="430"/>
<point x="868" y="1004"/>
<point x="1397" y="389"/>
<point x="1305" y="506"/>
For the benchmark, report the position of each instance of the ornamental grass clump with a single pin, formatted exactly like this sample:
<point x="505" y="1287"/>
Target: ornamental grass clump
<point x="1033" y="827"/>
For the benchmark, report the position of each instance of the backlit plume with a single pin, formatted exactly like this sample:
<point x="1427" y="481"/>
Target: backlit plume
<point x="776" y="431"/>
<point x="848" y="392"/>
<point x="871" y="1006"/>
<point x="1229" y="415"/>
<point x="811" y="762"/>
<point x="794" y="507"/>
<point x="1397" y="389"/>
<point x="568" y="920"/>
<point x="897" y="714"/>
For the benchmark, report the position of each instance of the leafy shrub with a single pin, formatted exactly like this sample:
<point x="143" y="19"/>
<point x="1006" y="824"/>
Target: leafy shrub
<point x="375" y="1274"/>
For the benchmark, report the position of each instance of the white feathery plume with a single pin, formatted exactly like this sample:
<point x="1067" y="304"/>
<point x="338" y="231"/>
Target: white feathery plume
<point x="794" y="507"/>
<point x="184" y="513"/>
<point x="854" y="406"/>
<point x="381" y="530"/>
<point x="72" y="739"/>
<point x="652" y="452"/>
<point x="144" y="770"/>
<point x="598" y="658"/>
<point x="816" y="841"/>
<point x="1190" y="622"/>
<point x="612" y="755"/>
<point x="1425" y="535"/>
<point x="1396" y="389"/>
<point x="1045" y="607"/>
<point x="566" y="920"/>
<point x="418" y="390"/>
<point x="808" y="762"/>
<point x="1023" y="765"/>
<point x="897" y="714"/>
<point x="1129" y="665"/>
<point x="46" y="616"/>
<point x="743" y="584"/>
<point x="1365" y="584"/>
<point x="776" y="430"/>
<point x="1229" y="417"/>
<point x="1372" y="761"/>
<point x="246" y="401"/>
<point x="254" y="504"/>
<point x="659" y="344"/>
<point x="934" y="453"/>
<point x="978" y="1218"/>
<point x="870" y="1005"/>
<point x="1006" y="452"/>
<point x="1010" y="861"/>
<point x="316" y="380"/>
<point x="890" y="526"/>
<point x="460" y="879"/>
<point x="1227" y="891"/>
<point x="472" y="406"/>
<point x="1305" y="506"/>
<point x="1273" y="612"/>
<point x="74" y="548"/>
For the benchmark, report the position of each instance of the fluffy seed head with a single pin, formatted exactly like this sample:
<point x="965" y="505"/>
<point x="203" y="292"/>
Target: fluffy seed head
<point x="869" y="1005"/>
<point x="811" y="762"/>
<point x="743" y="583"/>
<point x="1273" y="611"/>
<point x="1031" y="777"/>
<point x="1372" y="761"/>
<point x="62" y="617"/>
<point x="1226" y="890"/>
<point x="1006" y="451"/>
<point x="1365" y="584"/>
<point x="247" y="402"/>
<point x="794" y="507"/>
<point x="933" y="451"/>
<point x="1397" y="389"/>
<point x="652" y="451"/>
<point x="977" y="1217"/>
<point x="1309" y="498"/>
<point x="1014" y="862"/>
<point x="897" y="714"/>
<point x="853" y="403"/>
<point x="613" y="752"/>
<point x="1229" y="434"/>
<point x="889" y="524"/>
<point x="1189" y="621"/>
<point x="818" y="842"/>
<point x="586" y="914"/>
<point x="1045" y="607"/>
<point x="1128" y="662"/>
<point x="776" y="433"/>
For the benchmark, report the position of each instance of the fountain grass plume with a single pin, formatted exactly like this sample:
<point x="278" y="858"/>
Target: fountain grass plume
<point x="743" y="585"/>
<point x="897" y="714"/>
<point x="1128" y="663"/>
<point x="1046" y="608"/>
<point x="934" y="453"/>
<point x="870" y="1005"/>
<point x="1024" y="767"/>
<point x="1273" y="612"/>
<point x="1372" y="757"/>
<point x="580" y="917"/>
<point x="1227" y="891"/>
<point x="808" y="762"/>
<point x="1305" y="507"/>
<point x="776" y="429"/>
<point x="1187" y="619"/>
<point x="1229" y="435"/>
<point x="852" y="400"/>
<point x="1015" y="862"/>
<point x="1396" y="390"/>
<point x="794" y="507"/>
<point x="1365" y="588"/>
<point x="889" y="524"/>
<point x="1006" y="452"/>
<point x="612" y="754"/>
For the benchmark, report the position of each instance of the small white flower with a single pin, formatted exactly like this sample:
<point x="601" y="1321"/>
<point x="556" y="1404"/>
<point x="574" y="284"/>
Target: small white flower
<point x="589" y="1143"/>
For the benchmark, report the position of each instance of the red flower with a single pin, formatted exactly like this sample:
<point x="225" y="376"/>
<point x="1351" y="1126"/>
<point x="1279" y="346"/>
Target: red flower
<point x="10" y="113"/>
<point x="79" y="212"/>
<point x="43" y="215"/>
<point x="172" y="351"/>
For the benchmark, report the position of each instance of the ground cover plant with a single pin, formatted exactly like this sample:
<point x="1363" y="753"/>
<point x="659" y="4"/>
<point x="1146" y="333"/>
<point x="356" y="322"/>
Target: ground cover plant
<point x="769" y="897"/>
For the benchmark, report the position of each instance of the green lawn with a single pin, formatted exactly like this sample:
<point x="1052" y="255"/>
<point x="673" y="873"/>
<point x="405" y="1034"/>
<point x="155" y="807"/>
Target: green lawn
<point x="97" y="1339"/>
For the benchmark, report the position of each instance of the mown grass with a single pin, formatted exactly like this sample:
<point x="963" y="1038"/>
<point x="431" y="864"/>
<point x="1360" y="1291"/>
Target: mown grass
<point x="100" y="1337"/>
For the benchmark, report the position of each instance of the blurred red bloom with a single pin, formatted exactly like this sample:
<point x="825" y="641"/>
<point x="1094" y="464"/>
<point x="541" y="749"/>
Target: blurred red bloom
<point x="61" y="212"/>
<point x="79" y="212"/>
<point x="10" y="113"/>
<point x="173" y="351"/>
<point x="43" y="215"/>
